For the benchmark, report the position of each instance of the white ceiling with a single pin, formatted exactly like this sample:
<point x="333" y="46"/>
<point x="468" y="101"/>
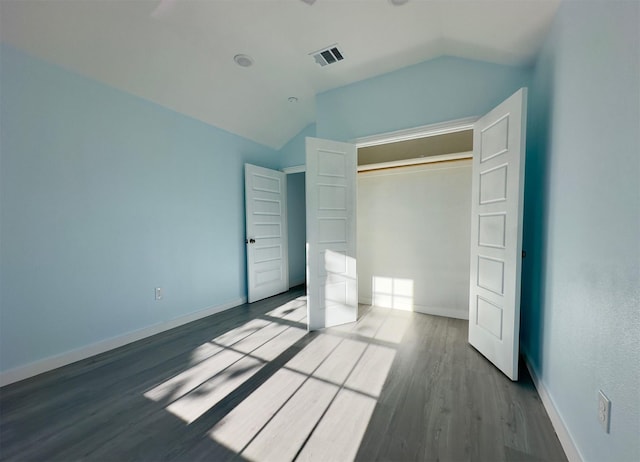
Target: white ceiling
<point x="179" y="53"/>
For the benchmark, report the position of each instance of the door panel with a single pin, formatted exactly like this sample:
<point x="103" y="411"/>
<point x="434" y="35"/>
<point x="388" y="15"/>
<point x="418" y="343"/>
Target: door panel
<point x="332" y="291"/>
<point x="266" y="240"/>
<point x="496" y="232"/>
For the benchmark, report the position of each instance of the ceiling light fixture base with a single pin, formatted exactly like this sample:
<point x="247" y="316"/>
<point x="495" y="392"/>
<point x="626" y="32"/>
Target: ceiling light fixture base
<point x="243" y="60"/>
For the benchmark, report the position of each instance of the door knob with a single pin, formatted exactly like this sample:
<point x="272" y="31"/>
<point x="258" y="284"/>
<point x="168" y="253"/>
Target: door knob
<point x="250" y="241"/>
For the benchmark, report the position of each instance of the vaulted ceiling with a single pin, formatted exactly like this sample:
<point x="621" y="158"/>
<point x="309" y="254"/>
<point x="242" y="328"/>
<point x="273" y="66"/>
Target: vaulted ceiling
<point x="179" y="53"/>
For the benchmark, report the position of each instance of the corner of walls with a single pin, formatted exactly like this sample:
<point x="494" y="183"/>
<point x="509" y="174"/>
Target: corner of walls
<point x="559" y="425"/>
<point x="580" y="317"/>
<point x="539" y="123"/>
<point x="105" y="196"/>
<point x="293" y="154"/>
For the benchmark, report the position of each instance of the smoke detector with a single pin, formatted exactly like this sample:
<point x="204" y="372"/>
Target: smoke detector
<point x="328" y="55"/>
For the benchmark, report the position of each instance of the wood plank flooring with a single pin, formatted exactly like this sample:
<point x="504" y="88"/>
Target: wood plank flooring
<point x="251" y="384"/>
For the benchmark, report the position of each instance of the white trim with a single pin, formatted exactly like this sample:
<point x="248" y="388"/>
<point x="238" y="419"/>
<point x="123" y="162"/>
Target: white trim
<point x="63" y="359"/>
<point x="417" y="161"/>
<point x="435" y="311"/>
<point x="295" y="169"/>
<point x="407" y="134"/>
<point x="564" y="435"/>
<point x="423" y="131"/>
<point x="439" y="311"/>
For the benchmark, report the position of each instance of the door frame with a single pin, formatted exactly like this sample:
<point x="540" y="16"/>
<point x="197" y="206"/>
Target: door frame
<point x="422" y="131"/>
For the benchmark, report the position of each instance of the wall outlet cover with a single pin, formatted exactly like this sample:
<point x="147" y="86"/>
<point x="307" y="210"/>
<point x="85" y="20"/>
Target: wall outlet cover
<point x="604" y="410"/>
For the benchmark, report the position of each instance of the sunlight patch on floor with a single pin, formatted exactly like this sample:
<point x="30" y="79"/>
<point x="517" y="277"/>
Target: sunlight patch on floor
<point x="204" y="351"/>
<point x="193" y="377"/>
<point x="228" y="361"/>
<point x="259" y="338"/>
<point x="341" y="429"/>
<point x="240" y="333"/>
<point x="239" y="427"/>
<point x="341" y="362"/>
<point x="207" y="395"/>
<point x="210" y="359"/>
<point x="311" y="356"/>
<point x="394" y="328"/>
<point x="370" y="373"/>
<point x="271" y="350"/>
<point x="196" y="403"/>
<point x="366" y="327"/>
<point x="286" y="432"/>
<point x="316" y="406"/>
<point x="319" y="404"/>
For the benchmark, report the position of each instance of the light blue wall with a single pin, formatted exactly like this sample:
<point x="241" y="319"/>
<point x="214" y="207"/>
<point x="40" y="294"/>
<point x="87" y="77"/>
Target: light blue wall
<point x="293" y="153"/>
<point x="434" y="91"/>
<point x="297" y="227"/>
<point x="581" y="277"/>
<point x="105" y="196"/>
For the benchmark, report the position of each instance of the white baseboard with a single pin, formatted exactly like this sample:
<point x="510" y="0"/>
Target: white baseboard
<point x="447" y="312"/>
<point x="570" y="449"/>
<point x="63" y="359"/>
<point x="436" y="311"/>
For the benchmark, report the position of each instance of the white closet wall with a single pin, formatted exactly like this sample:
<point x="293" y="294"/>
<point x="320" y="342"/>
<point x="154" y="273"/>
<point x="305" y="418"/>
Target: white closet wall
<point x="413" y="238"/>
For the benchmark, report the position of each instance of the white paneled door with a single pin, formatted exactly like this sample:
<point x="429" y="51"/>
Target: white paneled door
<point x="496" y="232"/>
<point x="266" y="235"/>
<point x="332" y="287"/>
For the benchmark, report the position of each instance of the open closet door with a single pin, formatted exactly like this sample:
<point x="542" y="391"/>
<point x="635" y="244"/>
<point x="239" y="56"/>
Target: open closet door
<point x="332" y="287"/>
<point x="266" y="240"/>
<point x="496" y="232"/>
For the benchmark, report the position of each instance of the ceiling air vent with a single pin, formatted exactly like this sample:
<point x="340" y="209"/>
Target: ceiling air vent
<point x="328" y="55"/>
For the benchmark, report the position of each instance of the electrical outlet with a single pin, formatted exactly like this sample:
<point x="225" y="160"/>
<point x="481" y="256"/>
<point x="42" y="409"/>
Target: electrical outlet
<point x="158" y="293"/>
<point x="604" y="411"/>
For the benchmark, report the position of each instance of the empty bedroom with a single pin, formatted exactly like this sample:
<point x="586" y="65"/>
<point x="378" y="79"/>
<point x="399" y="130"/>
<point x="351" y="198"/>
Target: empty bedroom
<point x="326" y="230"/>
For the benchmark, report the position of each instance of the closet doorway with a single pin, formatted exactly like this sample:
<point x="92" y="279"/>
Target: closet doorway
<point x="414" y="223"/>
<point x="495" y="244"/>
<point x="436" y="159"/>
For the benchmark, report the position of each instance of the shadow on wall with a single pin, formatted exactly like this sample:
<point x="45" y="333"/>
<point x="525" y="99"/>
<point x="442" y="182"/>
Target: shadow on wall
<point x="535" y="229"/>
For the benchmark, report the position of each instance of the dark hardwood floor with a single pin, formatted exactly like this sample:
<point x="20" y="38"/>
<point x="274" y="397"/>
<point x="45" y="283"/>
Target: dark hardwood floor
<point x="251" y="384"/>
